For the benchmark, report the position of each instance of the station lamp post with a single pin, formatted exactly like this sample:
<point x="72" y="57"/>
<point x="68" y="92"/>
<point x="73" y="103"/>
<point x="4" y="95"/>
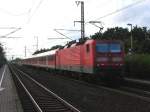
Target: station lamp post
<point x="131" y="39"/>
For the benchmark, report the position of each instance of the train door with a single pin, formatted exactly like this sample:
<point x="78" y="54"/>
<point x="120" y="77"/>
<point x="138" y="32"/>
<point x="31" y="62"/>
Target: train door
<point x="87" y="60"/>
<point x="57" y="60"/>
<point x="47" y="61"/>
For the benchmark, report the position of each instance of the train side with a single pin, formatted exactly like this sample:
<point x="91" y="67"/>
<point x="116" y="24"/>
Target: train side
<point x="77" y="58"/>
<point x="46" y="60"/>
<point x="92" y="57"/>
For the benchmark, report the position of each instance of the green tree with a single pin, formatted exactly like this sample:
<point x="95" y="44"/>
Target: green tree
<point x="141" y="37"/>
<point x="2" y="56"/>
<point x="117" y="33"/>
<point x="139" y="33"/>
<point x="97" y="35"/>
<point x="45" y="50"/>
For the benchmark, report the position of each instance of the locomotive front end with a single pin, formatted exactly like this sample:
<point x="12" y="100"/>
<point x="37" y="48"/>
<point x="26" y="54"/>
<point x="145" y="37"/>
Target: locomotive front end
<point x="109" y="58"/>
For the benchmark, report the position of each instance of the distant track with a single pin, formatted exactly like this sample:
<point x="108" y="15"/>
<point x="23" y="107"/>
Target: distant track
<point x="42" y="98"/>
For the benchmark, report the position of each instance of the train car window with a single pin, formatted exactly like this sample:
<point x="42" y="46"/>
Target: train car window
<point x="50" y="58"/>
<point x="43" y="58"/>
<point x="87" y="48"/>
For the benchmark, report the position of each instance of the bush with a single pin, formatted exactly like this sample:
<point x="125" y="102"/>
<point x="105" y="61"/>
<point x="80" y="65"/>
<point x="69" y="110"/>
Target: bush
<point x="138" y="66"/>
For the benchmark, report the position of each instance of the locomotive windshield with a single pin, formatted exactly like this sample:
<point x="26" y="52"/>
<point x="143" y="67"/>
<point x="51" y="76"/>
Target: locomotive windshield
<point x="106" y="47"/>
<point x="115" y="48"/>
<point x="102" y="48"/>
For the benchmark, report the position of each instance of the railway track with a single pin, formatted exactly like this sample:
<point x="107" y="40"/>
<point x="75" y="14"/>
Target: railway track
<point x="128" y="89"/>
<point x="42" y="99"/>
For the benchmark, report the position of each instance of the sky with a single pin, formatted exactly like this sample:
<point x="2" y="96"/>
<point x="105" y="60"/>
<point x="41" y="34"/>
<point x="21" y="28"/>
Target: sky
<point x="37" y="19"/>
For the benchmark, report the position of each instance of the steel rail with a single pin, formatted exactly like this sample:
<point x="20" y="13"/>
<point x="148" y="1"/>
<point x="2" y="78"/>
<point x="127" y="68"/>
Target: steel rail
<point x="28" y="93"/>
<point x="49" y="91"/>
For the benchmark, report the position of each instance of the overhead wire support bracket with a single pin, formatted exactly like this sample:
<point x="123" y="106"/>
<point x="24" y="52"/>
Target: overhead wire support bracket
<point x="94" y="23"/>
<point x="57" y="38"/>
<point x="17" y="29"/>
<point x="56" y="30"/>
<point x="68" y="30"/>
<point x="76" y="22"/>
<point x="9" y="37"/>
<point x="8" y="28"/>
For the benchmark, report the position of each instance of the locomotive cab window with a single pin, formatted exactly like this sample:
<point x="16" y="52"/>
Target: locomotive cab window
<point x="102" y="47"/>
<point x="108" y="47"/>
<point x="87" y="48"/>
<point x="115" y="47"/>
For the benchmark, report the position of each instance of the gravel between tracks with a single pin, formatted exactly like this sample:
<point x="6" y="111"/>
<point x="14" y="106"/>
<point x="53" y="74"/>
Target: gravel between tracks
<point x="88" y="98"/>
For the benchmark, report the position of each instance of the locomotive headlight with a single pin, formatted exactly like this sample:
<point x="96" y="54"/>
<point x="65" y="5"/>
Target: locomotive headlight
<point x="102" y="59"/>
<point x="116" y="59"/>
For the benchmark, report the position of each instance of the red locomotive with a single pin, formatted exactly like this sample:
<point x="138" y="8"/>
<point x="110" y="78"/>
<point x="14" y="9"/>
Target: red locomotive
<point x="95" y="57"/>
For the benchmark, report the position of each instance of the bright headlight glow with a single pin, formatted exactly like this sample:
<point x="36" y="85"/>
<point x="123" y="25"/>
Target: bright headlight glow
<point x="116" y="59"/>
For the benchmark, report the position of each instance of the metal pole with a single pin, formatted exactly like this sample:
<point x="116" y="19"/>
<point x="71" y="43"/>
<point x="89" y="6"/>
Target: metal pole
<point x="25" y="51"/>
<point x="82" y="19"/>
<point x="12" y="57"/>
<point x="131" y="39"/>
<point x="37" y="43"/>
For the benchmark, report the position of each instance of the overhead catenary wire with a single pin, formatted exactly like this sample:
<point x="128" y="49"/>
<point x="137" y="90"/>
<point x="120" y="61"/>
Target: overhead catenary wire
<point x="37" y="7"/>
<point x="119" y="10"/>
<point x="13" y="14"/>
<point x="16" y="14"/>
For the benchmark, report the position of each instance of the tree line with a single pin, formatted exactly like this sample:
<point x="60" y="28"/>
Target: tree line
<point x="2" y="56"/>
<point x="45" y="50"/>
<point x="141" y="37"/>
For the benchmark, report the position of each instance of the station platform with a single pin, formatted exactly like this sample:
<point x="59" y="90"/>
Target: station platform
<point x="9" y="100"/>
